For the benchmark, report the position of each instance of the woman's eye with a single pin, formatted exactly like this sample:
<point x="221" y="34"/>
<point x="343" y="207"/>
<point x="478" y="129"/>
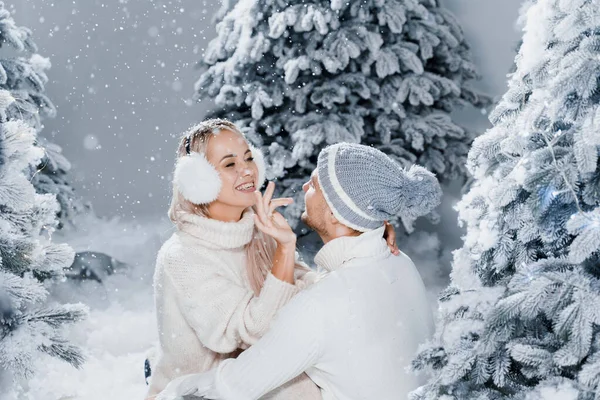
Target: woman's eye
<point x="229" y="165"/>
<point x="250" y="159"/>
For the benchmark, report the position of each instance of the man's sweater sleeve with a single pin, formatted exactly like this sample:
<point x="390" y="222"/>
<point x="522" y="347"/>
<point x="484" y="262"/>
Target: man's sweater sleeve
<point x="291" y="346"/>
<point x="225" y="315"/>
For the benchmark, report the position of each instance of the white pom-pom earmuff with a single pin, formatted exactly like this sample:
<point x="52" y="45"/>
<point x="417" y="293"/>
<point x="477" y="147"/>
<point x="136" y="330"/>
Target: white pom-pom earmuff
<point x="197" y="179"/>
<point x="259" y="159"/>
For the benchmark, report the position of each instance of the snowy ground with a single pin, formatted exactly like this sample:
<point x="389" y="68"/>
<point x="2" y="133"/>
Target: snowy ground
<point x="121" y="325"/>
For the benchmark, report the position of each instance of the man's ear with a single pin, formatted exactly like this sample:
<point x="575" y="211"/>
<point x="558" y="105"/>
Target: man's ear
<point x="331" y="219"/>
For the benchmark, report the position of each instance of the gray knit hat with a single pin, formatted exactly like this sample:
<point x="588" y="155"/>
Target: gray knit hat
<point x="363" y="186"/>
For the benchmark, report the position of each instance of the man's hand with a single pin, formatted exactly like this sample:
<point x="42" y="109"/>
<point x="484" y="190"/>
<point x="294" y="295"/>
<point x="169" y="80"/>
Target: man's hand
<point x="390" y="237"/>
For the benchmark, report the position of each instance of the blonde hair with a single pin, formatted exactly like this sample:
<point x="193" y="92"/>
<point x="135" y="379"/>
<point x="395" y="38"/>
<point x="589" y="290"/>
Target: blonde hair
<point x="261" y="248"/>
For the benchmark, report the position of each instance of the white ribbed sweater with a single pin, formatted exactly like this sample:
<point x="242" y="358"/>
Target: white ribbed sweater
<point x="206" y="310"/>
<point x="354" y="332"/>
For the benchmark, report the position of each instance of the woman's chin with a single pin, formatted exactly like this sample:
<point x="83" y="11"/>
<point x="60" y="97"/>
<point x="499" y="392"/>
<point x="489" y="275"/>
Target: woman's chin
<point x="241" y="200"/>
<point x="249" y="201"/>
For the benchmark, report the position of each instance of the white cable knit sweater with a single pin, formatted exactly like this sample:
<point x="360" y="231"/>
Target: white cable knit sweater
<point x="206" y="310"/>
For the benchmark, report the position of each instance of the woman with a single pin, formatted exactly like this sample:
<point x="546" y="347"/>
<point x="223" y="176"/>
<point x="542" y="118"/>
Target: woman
<point x="219" y="281"/>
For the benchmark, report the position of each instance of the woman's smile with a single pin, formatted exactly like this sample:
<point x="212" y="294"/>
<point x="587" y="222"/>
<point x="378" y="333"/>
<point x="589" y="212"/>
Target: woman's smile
<point x="247" y="187"/>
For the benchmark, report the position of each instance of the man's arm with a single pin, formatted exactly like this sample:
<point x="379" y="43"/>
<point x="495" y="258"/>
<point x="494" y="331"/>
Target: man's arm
<point x="291" y="346"/>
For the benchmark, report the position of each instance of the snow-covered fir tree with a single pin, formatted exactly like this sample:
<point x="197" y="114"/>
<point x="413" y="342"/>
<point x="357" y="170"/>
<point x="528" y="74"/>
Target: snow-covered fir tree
<point x="28" y="256"/>
<point x="226" y="6"/>
<point x="521" y="319"/>
<point x="299" y="75"/>
<point x="25" y="77"/>
<point x="29" y="324"/>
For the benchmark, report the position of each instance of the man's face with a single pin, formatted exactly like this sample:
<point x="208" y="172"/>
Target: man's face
<point x="315" y="213"/>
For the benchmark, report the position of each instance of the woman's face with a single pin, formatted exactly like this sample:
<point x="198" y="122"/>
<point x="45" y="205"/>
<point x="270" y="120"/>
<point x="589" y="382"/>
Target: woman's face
<point x="229" y="153"/>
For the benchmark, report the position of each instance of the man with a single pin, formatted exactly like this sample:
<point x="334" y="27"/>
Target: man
<point x="356" y="330"/>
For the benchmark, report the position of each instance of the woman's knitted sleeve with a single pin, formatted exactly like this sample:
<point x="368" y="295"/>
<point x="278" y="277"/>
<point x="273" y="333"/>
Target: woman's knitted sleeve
<point x="225" y="315"/>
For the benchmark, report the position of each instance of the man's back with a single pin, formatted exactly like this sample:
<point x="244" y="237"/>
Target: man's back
<point x="376" y="314"/>
<point x="354" y="331"/>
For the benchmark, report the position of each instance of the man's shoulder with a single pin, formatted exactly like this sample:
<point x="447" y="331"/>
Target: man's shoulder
<point x="400" y="259"/>
<point x="326" y="295"/>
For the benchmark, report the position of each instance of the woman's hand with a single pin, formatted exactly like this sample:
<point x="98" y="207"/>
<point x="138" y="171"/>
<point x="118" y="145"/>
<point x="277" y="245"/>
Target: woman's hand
<point x="390" y="237"/>
<point x="270" y="221"/>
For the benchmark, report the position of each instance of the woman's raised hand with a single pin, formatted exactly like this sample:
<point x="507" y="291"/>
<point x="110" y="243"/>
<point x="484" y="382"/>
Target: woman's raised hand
<point x="271" y="222"/>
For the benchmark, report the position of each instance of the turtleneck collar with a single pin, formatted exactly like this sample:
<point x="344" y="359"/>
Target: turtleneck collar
<point x="343" y="249"/>
<point x="218" y="234"/>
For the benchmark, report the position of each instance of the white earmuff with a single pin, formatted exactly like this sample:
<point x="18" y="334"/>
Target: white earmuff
<point x="199" y="182"/>
<point x="259" y="159"/>
<point x="197" y="179"/>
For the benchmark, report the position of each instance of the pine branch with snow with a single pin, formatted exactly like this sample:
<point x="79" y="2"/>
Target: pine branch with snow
<point x="521" y="319"/>
<point x="23" y="78"/>
<point x="27" y="258"/>
<point x="28" y="327"/>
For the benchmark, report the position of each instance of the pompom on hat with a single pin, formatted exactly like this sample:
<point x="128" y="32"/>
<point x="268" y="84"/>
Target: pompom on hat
<point x="364" y="187"/>
<point x="197" y="179"/>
